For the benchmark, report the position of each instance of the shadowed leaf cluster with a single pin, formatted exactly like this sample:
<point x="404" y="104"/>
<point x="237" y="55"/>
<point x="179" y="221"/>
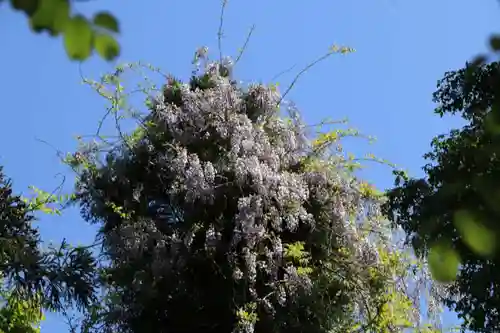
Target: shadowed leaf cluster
<point x="34" y="278"/>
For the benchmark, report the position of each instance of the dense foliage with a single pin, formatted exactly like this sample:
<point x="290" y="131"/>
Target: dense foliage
<point x="454" y="209"/>
<point x="221" y="213"/>
<point x="19" y="315"/>
<point x="34" y="279"/>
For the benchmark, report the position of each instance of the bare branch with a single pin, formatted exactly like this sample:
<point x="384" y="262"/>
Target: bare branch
<point x="282" y="73"/>
<point x="244" y="47"/>
<point x="333" y="49"/>
<point x="305" y="69"/>
<point x="221" y="25"/>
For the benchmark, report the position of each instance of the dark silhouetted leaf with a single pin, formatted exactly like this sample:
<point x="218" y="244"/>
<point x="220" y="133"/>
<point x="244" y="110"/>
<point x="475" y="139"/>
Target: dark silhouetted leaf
<point x="106" y="20"/>
<point x="478" y="61"/>
<point x="492" y="123"/>
<point x="495" y="42"/>
<point x="106" y="46"/>
<point x="78" y="38"/>
<point x="27" y="6"/>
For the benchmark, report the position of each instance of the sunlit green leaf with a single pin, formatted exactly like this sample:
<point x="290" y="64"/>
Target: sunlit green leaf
<point x="106" y="46"/>
<point x="61" y="16"/>
<point x="78" y="38"/>
<point x="443" y="262"/>
<point x="479" y="238"/>
<point x="50" y="15"/>
<point x="106" y="20"/>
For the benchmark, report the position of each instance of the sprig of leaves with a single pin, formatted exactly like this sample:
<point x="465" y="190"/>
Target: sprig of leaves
<point x="81" y="36"/>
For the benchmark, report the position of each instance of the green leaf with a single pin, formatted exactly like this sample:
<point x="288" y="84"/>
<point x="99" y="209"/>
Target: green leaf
<point x="51" y="15"/>
<point x="107" y="21"/>
<point x="495" y="42"/>
<point x="107" y="46"/>
<point x="61" y="16"/>
<point x="78" y="38"/>
<point x="27" y="6"/>
<point x="492" y="122"/>
<point x="478" y="61"/>
<point x="443" y="262"/>
<point x="479" y="238"/>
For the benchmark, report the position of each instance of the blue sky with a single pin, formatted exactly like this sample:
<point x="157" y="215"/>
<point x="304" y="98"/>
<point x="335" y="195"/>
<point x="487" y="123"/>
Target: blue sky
<point x="403" y="48"/>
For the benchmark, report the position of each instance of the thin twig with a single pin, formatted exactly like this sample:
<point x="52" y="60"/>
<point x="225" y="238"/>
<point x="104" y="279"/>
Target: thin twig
<point x="102" y="120"/>
<point x="59" y="154"/>
<point x="294" y="81"/>
<point x="325" y="123"/>
<point x="282" y="73"/>
<point x="243" y="48"/>
<point x="221" y="24"/>
<point x="80" y="71"/>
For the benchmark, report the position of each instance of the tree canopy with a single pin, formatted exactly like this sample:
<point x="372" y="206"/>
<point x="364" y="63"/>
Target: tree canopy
<point x="452" y="213"/>
<point x="34" y="279"/>
<point x="223" y="212"/>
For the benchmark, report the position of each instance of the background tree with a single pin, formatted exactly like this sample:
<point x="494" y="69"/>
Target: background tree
<point x="452" y="214"/>
<point x="34" y="279"/>
<point x="18" y="315"/>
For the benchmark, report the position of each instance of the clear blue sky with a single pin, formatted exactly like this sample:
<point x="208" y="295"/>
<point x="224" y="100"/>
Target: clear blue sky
<point x="403" y="48"/>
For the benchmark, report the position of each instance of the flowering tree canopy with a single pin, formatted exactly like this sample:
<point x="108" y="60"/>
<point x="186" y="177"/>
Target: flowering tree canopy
<point x="221" y="212"/>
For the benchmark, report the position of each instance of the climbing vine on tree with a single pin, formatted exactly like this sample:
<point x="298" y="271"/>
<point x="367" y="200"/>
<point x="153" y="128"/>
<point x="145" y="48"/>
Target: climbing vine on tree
<point x="223" y="212"/>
